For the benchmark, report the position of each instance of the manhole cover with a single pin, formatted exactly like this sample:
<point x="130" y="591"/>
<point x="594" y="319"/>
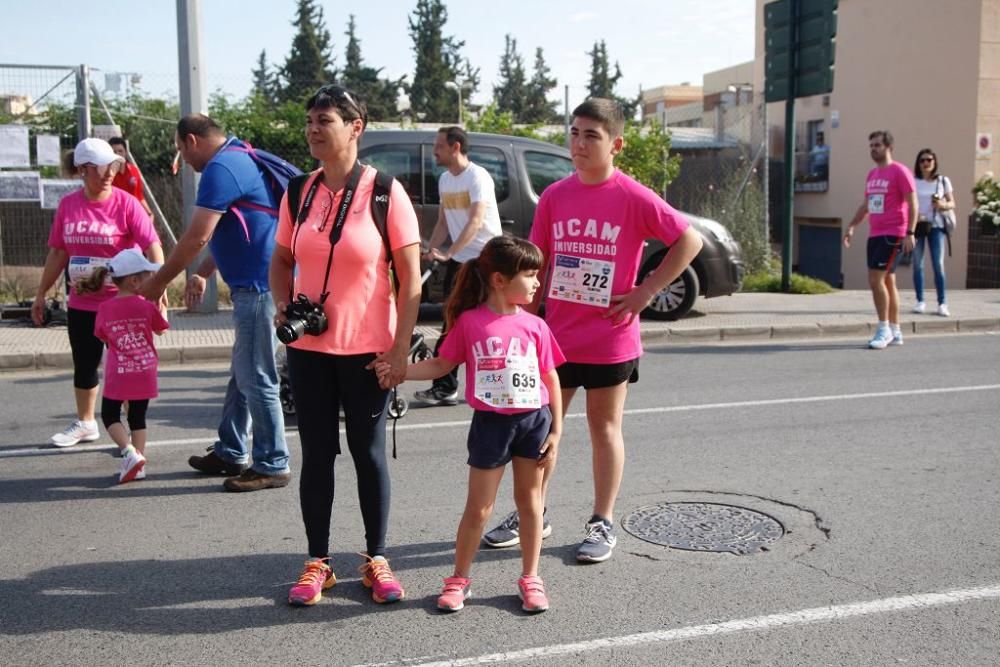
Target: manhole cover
<point x="704" y="527"/>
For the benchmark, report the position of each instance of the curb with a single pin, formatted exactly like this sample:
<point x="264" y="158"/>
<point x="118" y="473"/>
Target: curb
<point x="13" y="362"/>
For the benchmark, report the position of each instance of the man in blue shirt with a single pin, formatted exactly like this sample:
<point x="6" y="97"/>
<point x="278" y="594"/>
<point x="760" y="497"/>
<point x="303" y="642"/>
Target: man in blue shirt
<point x="235" y="215"/>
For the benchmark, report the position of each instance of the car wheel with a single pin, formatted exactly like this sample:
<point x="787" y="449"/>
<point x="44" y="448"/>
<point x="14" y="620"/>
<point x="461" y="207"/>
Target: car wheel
<point x="676" y="299"/>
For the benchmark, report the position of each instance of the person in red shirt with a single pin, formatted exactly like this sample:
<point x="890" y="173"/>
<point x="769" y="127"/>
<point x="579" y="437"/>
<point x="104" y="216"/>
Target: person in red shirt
<point x="128" y="179"/>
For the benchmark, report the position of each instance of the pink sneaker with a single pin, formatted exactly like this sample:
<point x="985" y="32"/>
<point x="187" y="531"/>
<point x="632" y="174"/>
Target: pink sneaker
<point x="377" y="576"/>
<point x="531" y="590"/>
<point x="316" y="578"/>
<point x="456" y="592"/>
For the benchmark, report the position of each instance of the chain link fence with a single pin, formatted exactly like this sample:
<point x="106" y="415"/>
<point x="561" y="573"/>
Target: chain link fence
<point x="723" y="177"/>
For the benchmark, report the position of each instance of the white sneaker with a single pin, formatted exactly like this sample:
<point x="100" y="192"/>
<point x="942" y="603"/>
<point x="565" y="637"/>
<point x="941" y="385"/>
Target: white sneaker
<point x="132" y="464"/>
<point x="943" y="310"/>
<point x="920" y="308"/>
<point x="78" y="431"/>
<point x="881" y="339"/>
<point x="897" y="338"/>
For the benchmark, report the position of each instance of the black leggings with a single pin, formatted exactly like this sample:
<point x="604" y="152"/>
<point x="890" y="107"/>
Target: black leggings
<point x="86" y="347"/>
<point x="111" y="413"/>
<point x="320" y="384"/>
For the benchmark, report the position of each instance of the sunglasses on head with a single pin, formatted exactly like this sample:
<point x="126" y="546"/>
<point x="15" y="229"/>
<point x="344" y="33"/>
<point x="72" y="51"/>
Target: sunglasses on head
<point x="340" y="95"/>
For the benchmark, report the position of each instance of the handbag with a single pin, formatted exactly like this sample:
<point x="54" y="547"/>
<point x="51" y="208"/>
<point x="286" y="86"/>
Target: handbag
<point x="946" y="218"/>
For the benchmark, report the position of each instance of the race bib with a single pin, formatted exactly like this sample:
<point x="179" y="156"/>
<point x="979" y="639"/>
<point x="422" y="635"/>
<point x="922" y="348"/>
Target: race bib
<point x="876" y="203"/>
<point x="80" y="268"/>
<point x="582" y="280"/>
<point x="513" y="382"/>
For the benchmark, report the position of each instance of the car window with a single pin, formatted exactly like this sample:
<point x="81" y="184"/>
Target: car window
<point x="403" y="162"/>
<point x="431" y="174"/>
<point x="544" y="169"/>
<point x="493" y="161"/>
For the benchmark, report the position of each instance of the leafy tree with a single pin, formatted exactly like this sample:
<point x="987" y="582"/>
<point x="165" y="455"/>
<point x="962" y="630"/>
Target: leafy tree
<point x="495" y="121"/>
<point x="438" y="60"/>
<point x="265" y="79"/>
<point x="379" y="94"/>
<point x="511" y="93"/>
<point x="276" y="128"/>
<point x="646" y="156"/>
<point x="603" y="81"/>
<point x="310" y="62"/>
<point x="537" y="107"/>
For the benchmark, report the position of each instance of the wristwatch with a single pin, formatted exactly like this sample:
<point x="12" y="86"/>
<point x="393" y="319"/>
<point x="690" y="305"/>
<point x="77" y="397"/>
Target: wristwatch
<point x="909" y="232"/>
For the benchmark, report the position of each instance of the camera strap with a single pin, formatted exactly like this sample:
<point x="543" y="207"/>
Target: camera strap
<point x="338" y="223"/>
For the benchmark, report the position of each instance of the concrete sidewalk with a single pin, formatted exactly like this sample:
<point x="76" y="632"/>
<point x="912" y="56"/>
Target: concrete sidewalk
<point x="197" y="338"/>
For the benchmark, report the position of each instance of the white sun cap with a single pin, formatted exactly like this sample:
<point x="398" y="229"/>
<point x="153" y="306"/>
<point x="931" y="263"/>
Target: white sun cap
<point x="95" y="151"/>
<point x="129" y="262"/>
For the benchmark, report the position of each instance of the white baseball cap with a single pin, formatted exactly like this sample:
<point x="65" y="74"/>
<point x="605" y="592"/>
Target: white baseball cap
<point x="95" y="151"/>
<point x="129" y="262"/>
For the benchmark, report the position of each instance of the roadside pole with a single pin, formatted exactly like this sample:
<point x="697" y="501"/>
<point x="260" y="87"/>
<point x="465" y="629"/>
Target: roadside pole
<point x="789" y="217"/>
<point x="192" y="85"/>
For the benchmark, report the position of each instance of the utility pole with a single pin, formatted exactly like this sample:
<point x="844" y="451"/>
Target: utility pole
<point x="192" y="85"/>
<point x="83" y="102"/>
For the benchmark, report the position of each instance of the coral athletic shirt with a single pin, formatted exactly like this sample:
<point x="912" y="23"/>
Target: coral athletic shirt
<point x="361" y="308"/>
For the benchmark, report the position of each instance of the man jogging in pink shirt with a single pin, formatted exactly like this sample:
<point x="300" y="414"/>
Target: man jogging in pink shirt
<point x="591" y="227"/>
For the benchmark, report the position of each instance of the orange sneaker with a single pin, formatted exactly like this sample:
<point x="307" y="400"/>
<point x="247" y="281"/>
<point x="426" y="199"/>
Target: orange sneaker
<point x="377" y="576"/>
<point x="316" y="578"/>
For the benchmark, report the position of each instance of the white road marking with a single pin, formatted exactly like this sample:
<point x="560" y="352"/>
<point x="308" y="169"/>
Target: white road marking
<point x="753" y="624"/>
<point x="48" y="450"/>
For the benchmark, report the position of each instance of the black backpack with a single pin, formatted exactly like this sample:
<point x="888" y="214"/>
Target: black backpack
<point x="379" y="204"/>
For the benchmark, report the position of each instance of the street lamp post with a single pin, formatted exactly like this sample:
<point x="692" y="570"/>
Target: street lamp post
<point x="457" y="86"/>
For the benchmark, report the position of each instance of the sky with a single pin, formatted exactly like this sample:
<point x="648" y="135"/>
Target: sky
<point x="656" y="42"/>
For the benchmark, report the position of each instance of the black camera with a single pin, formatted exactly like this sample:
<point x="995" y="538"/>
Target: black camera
<point x="304" y="318"/>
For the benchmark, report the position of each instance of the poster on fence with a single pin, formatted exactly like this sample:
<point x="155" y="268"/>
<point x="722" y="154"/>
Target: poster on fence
<point x="47" y="150"/>
<point x="19" y="186"/>
<point x="54" y="189"/>
<point x="14" y="146"/>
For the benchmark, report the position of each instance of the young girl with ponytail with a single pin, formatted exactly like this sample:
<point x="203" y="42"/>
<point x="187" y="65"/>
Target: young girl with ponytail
<point x="511" y="382"/>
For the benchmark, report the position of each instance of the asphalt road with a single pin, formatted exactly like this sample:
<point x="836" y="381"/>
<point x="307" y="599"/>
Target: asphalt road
<point x="882" y="466"/>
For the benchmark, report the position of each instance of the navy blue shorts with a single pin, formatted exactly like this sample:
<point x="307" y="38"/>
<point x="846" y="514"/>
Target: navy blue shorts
<point x="495" y="438"/>
<point x="884" y="252"/>
<point x="597" y="376"/>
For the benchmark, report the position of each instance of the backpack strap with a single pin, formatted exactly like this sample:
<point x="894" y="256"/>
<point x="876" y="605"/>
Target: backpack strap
<point x="380" y="208"/>
<point x="294" y="195"/>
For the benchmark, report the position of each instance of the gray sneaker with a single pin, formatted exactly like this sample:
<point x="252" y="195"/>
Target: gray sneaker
<point x="507" y="533"/>
<point x="436" y="396"/>
<point x="598" y="544"/>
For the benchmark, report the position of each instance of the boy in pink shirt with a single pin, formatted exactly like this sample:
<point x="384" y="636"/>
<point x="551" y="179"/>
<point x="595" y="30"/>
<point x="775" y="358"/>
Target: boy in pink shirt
<point x="591" y="227"/>
<point x="889" y="191"/>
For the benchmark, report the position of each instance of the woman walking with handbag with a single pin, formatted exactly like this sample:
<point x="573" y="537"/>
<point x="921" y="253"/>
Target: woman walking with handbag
<point x="936" y="218"/>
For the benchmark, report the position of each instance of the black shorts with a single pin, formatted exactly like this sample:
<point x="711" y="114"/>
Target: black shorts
<point x="597" y="376"/>
<point x="495" y="438"/>
<point x="884" y="252"/>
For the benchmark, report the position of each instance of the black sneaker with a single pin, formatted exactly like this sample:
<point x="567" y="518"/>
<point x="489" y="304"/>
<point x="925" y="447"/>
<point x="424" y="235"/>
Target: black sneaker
<point x="599" y="543"/>
<point x="211" y="464"/>
<point x="436" y="396"/>
<point x="507" y="533"/>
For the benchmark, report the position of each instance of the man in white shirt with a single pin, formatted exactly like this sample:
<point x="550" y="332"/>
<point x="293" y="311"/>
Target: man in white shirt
<point x="469" y="217"/>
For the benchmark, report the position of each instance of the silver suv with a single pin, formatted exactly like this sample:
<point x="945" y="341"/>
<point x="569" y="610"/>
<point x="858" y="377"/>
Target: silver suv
<point x="521" y="169"/>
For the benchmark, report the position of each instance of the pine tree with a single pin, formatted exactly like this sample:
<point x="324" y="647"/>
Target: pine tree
<point x="379" y="94"/>
<point x="603" y="82"/>
<point x="537" y="107"/>
<point x="310" y="62"/>
<point x="510" y="94"/>
<point x="438" y="60"/>
<point x="265" y="79"/>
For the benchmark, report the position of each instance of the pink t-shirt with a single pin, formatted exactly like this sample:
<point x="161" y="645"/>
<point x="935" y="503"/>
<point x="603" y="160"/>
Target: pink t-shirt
<point x="489" y="343"/>
<point x="92" y="233"/>
<point x="127" y="325"/>
<point x="592" y="237"/>
<point x="886" y="189"/>
<point x="361" y="307"/>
